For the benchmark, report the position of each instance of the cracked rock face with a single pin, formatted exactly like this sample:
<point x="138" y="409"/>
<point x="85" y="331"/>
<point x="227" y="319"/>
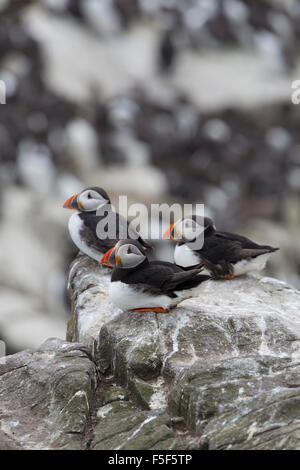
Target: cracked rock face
<point x="227" y="362"/>
<point x="222" y="371"/>
<point x="127" y="429"/>
<point x="45" y="397"/>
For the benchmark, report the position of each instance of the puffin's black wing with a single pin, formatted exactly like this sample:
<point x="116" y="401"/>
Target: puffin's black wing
<point x="165" y="276"/>
<point x="244" y="241"/>
<point x="89" y="233"/>
<point x="227" y="247"/>
<point x="185" y="280"/>
<point x="91" y="224"/>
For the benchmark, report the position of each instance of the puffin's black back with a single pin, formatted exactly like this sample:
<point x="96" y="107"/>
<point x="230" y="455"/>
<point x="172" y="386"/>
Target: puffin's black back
<point x="161" y="275"/>
<point x="89" y="230"/>
<point x="231" y="247"/>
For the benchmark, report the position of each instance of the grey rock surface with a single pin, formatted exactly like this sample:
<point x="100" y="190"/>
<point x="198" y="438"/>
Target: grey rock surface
<point x="227" y="362"/>
<point x="222" y="371"/>
<point x="45" y="397"/>
<point x="127" y="429"/>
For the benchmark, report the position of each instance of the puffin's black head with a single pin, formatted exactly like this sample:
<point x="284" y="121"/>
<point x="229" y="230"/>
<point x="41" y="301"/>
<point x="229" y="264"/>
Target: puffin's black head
<point x="88" y="200"/>
<point x="126" y="254"/>
<point x="189" y="228"/>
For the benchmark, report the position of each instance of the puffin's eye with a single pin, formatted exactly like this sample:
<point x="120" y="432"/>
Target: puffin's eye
<point x="129" y="251"/>
<point x="89" y="196"/>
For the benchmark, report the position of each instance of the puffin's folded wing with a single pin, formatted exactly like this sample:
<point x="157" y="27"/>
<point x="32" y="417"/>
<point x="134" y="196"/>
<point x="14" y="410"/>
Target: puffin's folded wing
<point x="245" y="243"/>
<point x="90" y="233"/>
<point x="237" y="250"/>
<point x="244" y="253"/>
<point x="184" y="280"/>
<point x="220" y="250"/>
<point x="104" y="231"/>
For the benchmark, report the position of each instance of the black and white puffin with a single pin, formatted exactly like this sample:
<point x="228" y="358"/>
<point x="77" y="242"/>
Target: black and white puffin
<point x="83" y="224"/>
<point x="224" y="255"/>
<point x="141" y="285"/>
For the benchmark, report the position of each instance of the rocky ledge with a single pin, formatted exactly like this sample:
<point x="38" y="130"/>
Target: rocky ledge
<point x="222" y="371"/>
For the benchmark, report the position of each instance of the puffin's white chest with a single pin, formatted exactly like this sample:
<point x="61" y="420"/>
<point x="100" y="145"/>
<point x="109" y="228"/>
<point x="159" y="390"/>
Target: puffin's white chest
<point x="185" y="257"/>
<point x="127" y="297"/>
<point x="247" y="265"/>
<point x="75" y="226"/>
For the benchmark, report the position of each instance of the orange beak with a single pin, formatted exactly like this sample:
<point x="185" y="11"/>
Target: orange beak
<point x="68" y="203"/>
<point x="167" y="235"/>
<point x="105" y="259"/>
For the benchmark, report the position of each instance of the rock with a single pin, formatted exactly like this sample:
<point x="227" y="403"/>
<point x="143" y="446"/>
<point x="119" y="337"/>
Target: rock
<point x="7" y="444"/>
<point x="143" y="392"/>
<point x="46" y="397"/>
<point x="90" y="281"/>
<point x="134" y="430"/>
<point x="114" y="407"/>
<point x="269" y="421"/>
<point x="220" y="372"/>
<point x="226" y="362"/>
<point x="114" y="394"/>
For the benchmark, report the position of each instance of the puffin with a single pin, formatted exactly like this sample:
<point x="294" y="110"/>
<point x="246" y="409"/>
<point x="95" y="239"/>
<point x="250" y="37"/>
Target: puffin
<point x="85" y="224"/>
<point x="140" y="285"/>
<point x="223" y="255"/>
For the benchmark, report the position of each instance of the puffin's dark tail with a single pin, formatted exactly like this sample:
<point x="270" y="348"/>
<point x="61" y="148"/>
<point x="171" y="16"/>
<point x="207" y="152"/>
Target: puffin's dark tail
<point x="253" y="253"/>
<point x="199" y="266"/>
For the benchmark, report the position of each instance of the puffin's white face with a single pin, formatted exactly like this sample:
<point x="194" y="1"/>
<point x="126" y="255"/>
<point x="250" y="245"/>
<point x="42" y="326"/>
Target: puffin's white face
<point x="128" y="256"/>
<point x="90" y="200"/>
<point x="186" y="230"/>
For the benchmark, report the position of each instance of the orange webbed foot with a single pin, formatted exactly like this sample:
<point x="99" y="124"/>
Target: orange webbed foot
<point x="154" y="309"/>
<point x="228" y="278"/>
